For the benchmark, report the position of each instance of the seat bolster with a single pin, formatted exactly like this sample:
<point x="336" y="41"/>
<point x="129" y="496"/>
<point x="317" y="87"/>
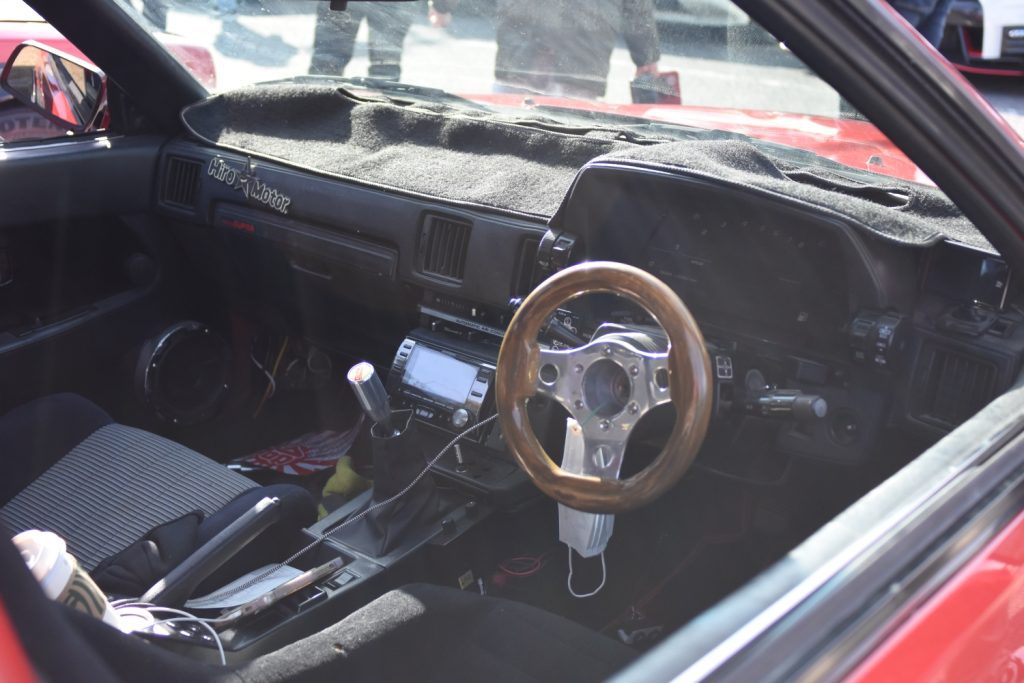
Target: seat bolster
<point x="37" y="434"/>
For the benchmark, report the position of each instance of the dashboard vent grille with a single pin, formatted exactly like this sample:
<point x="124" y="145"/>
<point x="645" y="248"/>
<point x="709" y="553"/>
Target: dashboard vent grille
<point x="525" y="267"/>
<point x="952" y="386"/>
<point x="181" y="183"/>
<point x="444" y="243"/>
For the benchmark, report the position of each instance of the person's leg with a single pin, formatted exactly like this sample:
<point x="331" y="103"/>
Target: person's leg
<point x="155" y="11"/>
<point x="388" y="25"/>
<point x="334" y="39"/>
<point x="934" y="25"/>
<point x="914" y="11"/>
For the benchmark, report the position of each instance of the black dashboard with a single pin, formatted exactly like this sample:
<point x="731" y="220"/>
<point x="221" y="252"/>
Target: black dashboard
<point x="792" y="299"/>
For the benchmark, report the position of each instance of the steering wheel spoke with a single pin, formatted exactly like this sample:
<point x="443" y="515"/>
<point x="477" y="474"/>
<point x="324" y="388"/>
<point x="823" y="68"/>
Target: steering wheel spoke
<point x="656" y="374"/>
<point x="601" y="458"/>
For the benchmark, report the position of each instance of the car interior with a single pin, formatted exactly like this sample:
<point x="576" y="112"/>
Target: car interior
<point x="463" y="305"/>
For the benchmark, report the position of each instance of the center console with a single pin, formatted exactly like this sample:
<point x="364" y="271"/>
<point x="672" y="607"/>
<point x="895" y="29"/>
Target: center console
<point x="443" y="371"/>
<point x="447" y="382"/>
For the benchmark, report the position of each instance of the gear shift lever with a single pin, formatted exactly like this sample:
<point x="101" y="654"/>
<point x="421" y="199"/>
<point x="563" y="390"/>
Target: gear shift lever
<point x="397" y="463"/>
<point x="371" y="395"/>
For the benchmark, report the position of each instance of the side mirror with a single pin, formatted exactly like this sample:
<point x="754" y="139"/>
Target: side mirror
<point x="62" y="88"/>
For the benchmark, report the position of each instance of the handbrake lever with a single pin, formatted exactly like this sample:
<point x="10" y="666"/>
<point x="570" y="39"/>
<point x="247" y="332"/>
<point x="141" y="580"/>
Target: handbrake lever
<point x="179" y="583"/>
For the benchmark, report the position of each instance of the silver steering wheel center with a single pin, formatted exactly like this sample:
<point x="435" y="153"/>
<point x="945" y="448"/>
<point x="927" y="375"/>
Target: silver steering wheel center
<point x="607" y="386"/>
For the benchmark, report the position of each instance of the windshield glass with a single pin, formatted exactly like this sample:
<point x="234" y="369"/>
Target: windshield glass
<point x="696" y="63"/>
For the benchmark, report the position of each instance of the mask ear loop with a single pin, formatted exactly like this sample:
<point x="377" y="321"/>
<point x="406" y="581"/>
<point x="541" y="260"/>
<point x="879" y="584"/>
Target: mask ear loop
<point x="604" y="576"/>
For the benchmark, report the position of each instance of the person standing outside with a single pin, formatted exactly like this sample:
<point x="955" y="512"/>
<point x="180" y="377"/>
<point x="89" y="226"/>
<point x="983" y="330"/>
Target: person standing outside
<point x="335" y="36"/>
<point x="564" y="47"/>
<point x="927" y="16"/>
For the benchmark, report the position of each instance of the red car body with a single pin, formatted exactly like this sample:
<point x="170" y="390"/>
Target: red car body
<point x="196" y="59"/>
<point x="852" y="142"/>
<point x="20" y="123"/>
<point x="969" y="631"/>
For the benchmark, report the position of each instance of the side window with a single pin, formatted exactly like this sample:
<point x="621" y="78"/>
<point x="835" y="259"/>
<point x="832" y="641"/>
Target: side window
<point x="19" y="23"/>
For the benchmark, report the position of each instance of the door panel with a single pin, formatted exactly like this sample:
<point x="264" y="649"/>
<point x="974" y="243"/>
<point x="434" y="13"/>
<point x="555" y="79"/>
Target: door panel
<point x="81" y="265"/>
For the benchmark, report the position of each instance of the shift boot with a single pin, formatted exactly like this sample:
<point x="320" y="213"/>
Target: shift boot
<point x="397" y="460"/>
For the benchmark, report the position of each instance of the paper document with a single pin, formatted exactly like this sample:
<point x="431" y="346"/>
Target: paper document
<point x="215" y="601"/>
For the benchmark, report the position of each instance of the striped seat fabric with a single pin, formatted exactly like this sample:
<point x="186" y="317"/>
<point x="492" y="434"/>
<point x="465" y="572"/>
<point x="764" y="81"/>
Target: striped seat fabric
<point x="116" y="485"/>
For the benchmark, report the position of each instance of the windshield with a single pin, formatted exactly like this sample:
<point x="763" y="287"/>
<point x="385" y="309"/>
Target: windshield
<point x="694" y="63"/>
<point x="586" y="49"/>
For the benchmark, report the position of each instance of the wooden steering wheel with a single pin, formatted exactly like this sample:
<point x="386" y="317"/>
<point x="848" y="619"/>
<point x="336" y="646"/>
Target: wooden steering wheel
<point x="607" y="386"/>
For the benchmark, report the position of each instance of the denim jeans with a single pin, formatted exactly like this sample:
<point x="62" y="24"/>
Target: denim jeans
<point x="927" y="16"/>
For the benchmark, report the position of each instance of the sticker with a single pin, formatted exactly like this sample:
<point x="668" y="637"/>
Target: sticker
<point x="249" y="185"/>
<point x="466" y="580"/>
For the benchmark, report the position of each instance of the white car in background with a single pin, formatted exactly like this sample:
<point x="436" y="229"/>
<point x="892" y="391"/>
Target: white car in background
<point x="986" y="37"/>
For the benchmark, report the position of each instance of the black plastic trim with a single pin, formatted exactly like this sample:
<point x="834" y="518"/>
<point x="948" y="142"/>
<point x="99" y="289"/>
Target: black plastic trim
<point x="57" y="179"/>
<point x="354" y="211"/>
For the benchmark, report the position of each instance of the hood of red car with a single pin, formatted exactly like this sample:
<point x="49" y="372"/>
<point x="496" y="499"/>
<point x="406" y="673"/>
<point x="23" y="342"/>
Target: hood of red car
<point x="196" y="58"/>
<point x="850" y="142"/>
<point x="13" y="33"/>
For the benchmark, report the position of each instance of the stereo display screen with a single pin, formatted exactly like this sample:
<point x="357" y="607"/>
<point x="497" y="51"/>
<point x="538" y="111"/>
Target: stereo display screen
<point x="440" y="375"/>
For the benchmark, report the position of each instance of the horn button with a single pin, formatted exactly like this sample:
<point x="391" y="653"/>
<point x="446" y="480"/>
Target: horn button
<point x="607" y="388"/>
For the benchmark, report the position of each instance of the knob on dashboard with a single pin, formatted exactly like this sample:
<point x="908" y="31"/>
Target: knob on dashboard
<point x="460" y="418"/>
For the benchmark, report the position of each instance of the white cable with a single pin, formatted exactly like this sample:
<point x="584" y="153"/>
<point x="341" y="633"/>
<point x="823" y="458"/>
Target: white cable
<point x="604" y="575"/>
<point x="128" y="602"/>
<point x="213" y="632"/>
<point x="270" y="377"/>
<point x="355" y="518"/>
<point x="184" y="616"/>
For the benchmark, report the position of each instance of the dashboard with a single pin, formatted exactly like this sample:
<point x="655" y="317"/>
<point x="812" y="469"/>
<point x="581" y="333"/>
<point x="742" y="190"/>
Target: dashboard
<point x="793" y="300"/>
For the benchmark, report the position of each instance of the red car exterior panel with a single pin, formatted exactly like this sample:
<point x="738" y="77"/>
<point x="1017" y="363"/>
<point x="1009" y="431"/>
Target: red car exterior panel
<point x="971" y="630"/>
<point x="14" y="664"/>
<point x="851" y="142"/>
<point x="196" y="59"/>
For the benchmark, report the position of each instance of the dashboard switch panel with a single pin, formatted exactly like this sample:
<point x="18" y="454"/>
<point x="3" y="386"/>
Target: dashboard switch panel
<point x="877" y="339"/>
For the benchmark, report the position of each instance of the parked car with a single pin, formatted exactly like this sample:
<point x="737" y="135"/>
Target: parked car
<point x="330" y="378"/>
<point x="19" y="22"/>
<point x="986" y="37"/>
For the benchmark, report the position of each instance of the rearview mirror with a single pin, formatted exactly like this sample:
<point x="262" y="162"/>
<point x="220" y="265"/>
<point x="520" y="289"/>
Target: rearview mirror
<point x="64" y="89"/>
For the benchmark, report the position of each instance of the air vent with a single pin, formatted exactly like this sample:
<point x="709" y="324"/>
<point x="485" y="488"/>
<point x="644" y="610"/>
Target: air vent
<point x="525" y="266"/>
<point x="951" y="386"/>
<point x="181" y="182"/>
<point x="443" y="246"/>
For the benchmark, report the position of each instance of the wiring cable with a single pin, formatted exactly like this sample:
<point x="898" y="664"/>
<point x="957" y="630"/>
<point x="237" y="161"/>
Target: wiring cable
<point x="266" y="373"/>
<point x="182" y="616"/>
<point x="523" y="566"/>
<point x="272" y="387"/>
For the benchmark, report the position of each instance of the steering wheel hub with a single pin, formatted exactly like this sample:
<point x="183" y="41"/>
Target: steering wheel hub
<point x="606" y="388"/>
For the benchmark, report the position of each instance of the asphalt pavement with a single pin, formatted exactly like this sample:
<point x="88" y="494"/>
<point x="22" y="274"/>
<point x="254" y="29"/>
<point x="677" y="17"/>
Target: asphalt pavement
<point x="743" y="69"/>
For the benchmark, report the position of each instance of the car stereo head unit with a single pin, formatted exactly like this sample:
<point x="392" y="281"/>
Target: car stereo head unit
<point x="443" y="386"/>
